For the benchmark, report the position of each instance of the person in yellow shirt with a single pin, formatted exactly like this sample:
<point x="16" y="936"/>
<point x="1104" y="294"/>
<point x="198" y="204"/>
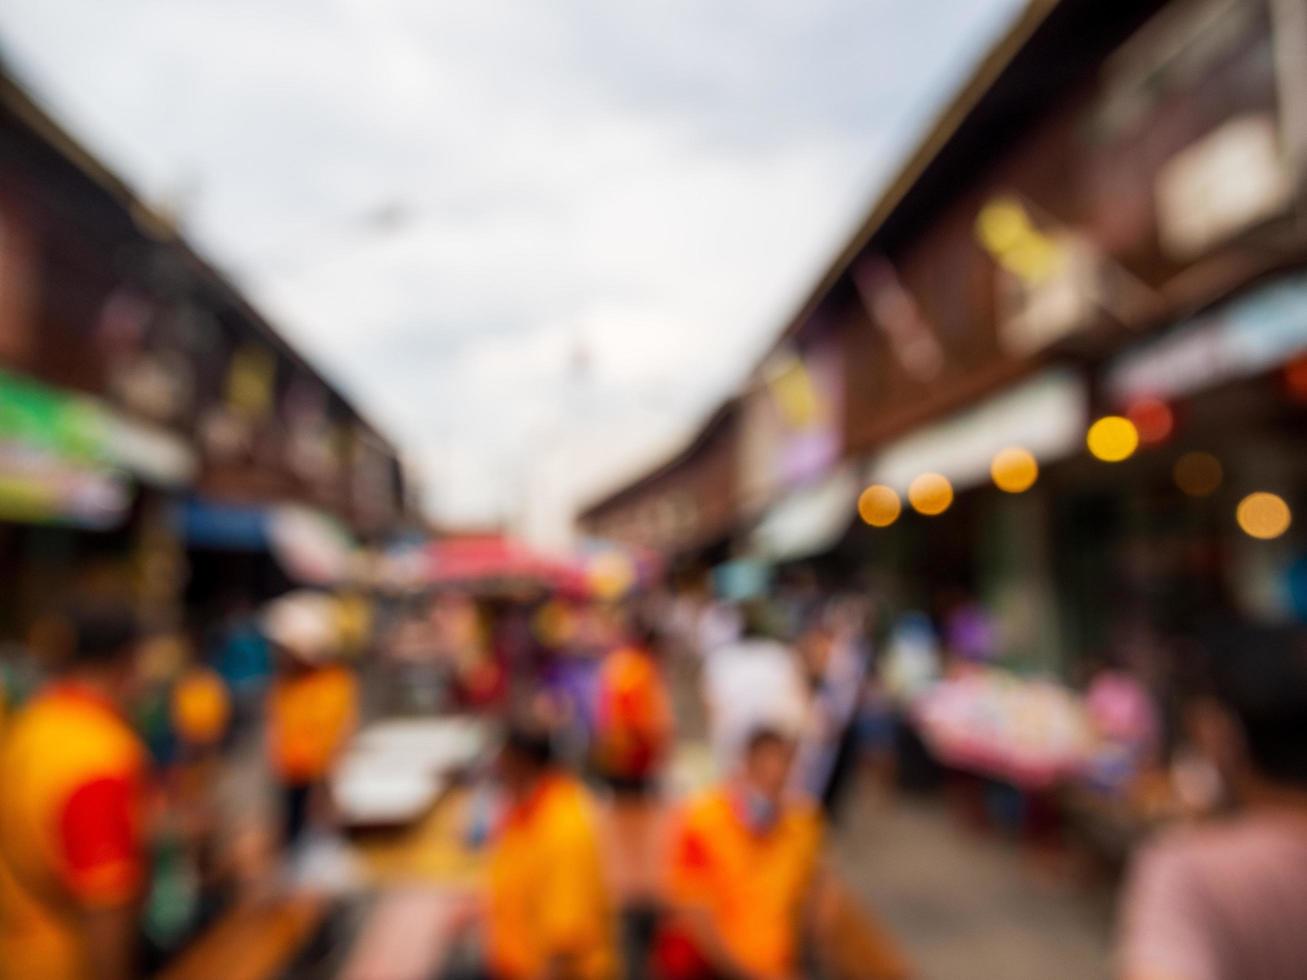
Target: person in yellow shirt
<point x="548" y="912"/>
<point x="312" y="705"/>
<point x="73" y="781"/>
<point x="741" y="872"/>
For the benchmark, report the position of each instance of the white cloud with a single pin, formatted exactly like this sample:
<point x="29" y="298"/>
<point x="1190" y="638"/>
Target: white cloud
<point x="655" y="185"/>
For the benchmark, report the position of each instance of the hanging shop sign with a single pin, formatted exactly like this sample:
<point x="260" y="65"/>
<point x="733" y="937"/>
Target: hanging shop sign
<point x="1046" y="416"/>
<point x="792" y="422"/>
<point x="1224" y="183"/>
<point x="146" y="372"/>
<point x="1244" y="337"/>
<point x="250" y="379"/>
<point x="1049" y="279"/>
<point x="154" y="384"/>
<point x="153" y="454"/>
<point x="1037" y="313"/>
<point x="895" y="311"/>
<point x="224" y="435"/>
<point x="309" y="449"/>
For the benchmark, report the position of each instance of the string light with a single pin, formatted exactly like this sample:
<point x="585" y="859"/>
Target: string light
<point x="930" y="494"/>
<point x="1014" y="470"/>
<point x="879" y="506"/>
<point x="1263" y="515"/>
<point x="1112" y="439"/>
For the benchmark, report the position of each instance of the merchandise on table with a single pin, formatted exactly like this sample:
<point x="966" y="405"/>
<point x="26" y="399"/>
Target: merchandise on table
<point x="1028" y="732"/>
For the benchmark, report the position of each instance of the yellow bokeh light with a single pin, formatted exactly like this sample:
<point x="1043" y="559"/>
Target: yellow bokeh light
<point x="1014" y="470"/>
<point x="1113" y="439"/>
<point x="1263" y="515"/>
<point x="879" y="506"/>
<point x="930" y="494"/>
<point x="1198" y="474"/>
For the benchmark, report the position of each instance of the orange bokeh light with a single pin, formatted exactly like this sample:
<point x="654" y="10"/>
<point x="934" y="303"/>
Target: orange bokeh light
<point x="1263" y="515"/>
<point x="879" y="506"/>
<point x="930" y="494"/>
<point x="1014" y="470"/>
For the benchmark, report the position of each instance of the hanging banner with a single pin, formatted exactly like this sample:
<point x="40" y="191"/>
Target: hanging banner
<point x="793" y="422"/>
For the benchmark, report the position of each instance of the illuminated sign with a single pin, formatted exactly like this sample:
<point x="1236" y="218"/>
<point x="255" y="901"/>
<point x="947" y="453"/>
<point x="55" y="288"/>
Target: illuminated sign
<point x="1048" y="285"/>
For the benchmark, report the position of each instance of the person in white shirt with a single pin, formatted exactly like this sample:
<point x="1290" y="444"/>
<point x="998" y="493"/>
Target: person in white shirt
<point x="720" y="624"/>
<point x="751" y="682"/>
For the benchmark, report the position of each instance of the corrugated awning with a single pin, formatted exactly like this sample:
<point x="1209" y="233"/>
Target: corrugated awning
<point x="1045" y="415"/>
<point x="808" y="520"/>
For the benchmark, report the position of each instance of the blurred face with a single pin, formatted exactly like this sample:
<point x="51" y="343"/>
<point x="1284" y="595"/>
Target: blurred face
<point x="516" y="775"/>
<point x="1215" y="734"/>
<point x="815" y="649"/>
<point x="767" y="767"/>
<point x="130" y="676"/>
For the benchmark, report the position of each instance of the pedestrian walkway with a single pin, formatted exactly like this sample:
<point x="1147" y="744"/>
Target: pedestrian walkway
<point x="963" y="906"/>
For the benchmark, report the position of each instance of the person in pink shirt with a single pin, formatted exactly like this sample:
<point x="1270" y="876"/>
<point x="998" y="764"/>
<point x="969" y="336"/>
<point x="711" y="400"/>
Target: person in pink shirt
<point x="1227" y="899"/>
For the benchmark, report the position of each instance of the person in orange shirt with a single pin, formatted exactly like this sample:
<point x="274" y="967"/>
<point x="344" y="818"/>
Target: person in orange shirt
<point x="73" y="780"/>
<point x="742" y="869"/>
<point x="548" y="912"/>
<point x="633" y="715"/>
<point x="312" y="706"/>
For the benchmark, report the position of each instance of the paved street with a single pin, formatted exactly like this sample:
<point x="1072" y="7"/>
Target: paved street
<point x="965" y="907"/>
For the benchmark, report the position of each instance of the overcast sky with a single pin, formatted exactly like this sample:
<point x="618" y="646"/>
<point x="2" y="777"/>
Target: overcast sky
<point x="536" y="240"/>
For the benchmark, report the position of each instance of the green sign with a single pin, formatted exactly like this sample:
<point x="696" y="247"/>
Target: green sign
<point x="41" y="418"/>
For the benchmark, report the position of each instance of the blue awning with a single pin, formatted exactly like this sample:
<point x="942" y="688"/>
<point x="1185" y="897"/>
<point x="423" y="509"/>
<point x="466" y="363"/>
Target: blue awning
<point x="225" y="527"/>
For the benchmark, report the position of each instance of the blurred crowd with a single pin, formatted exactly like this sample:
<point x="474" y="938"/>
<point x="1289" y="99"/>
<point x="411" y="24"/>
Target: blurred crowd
<point x="655" y="803"/>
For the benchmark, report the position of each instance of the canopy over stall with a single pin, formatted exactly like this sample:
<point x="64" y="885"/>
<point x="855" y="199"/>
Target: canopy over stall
<point x="490" y="559"/>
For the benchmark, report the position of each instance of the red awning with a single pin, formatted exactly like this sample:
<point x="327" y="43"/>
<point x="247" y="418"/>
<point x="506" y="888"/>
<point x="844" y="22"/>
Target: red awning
<point x="493" y="558"/>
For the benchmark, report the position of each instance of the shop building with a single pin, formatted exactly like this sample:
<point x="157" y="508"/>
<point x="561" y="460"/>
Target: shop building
<point x="1114" y="179"/>
<point x="686" y="508"/>
<point x="157" y="435"/>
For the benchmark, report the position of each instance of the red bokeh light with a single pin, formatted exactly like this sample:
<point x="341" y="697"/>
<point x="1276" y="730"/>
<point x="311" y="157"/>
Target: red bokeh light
<point x="1295" y="378"/>
<point x="1153" y="418"/>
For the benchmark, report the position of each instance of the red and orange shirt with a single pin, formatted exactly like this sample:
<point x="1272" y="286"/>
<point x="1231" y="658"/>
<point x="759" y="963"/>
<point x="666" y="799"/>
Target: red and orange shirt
<point x="310" y="716"/>
<point x="752" y="884"/>
<point x="73" y="781"/>
<point x="634" y="717"/>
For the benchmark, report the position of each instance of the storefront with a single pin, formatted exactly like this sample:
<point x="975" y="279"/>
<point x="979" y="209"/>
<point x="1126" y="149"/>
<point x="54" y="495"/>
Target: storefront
<point x="82" y="490"/>
<point x="958" y="539"/>
<point x="1202" y="521"/>
<point x="244" y="554"/>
